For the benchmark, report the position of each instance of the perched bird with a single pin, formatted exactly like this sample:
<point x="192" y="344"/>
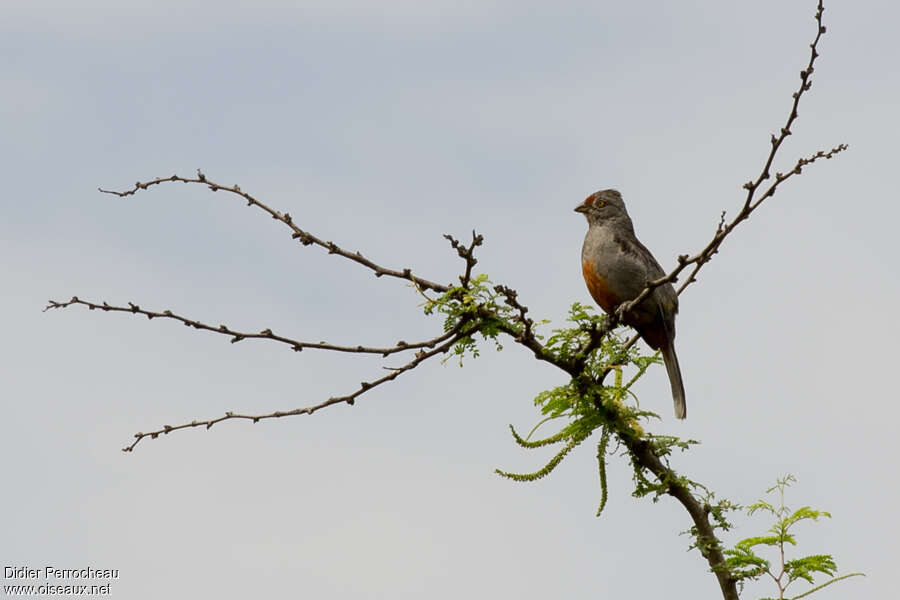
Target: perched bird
<point x="617" y="267"/>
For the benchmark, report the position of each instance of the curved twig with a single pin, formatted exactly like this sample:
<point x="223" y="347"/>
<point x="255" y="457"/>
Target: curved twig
<point x="457" y="332"/>
<point x="305" y="237"/>
<point x="237" y="336"/>
<point x="751" y="202"/>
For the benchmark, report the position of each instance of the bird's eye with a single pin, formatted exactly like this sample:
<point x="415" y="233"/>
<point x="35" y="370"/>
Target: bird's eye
<point x="601" y="203"/>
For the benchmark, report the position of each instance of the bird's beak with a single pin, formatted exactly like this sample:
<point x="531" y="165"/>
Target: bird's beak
<point x="582" y="208"/>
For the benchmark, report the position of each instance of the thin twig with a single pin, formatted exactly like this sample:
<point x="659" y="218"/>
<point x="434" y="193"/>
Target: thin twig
<point x="420" y="357"/>
<point x="237" y="336"/>
<point x="305" y="237"/>
<point x="467" y="254"/>
<point x="751" y="202"/>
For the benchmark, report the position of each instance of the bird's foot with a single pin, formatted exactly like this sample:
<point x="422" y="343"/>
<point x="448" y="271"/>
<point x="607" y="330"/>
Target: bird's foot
<point x="619" y="313"/>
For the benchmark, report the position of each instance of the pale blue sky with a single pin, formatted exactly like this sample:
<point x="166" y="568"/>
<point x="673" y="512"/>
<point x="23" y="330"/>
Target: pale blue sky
<point x="381" y="127"/>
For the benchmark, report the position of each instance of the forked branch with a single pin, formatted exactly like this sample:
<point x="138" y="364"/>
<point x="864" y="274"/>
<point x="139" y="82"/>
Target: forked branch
<point x="451" y="338"/>
<point x="751" y="201"/>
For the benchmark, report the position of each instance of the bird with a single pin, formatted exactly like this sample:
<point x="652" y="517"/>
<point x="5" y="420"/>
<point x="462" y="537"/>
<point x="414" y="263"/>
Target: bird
<point x="617" y="267"/>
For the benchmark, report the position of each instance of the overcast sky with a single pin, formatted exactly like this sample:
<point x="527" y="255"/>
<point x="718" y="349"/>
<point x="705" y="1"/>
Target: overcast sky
<point x="382" y="126"/>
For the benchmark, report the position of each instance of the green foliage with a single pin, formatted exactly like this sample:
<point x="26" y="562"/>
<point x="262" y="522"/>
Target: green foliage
<point x="461" y="307"/>
<point x="477" y="308"/>
<point x="601" y="465"/>
<point x="583" y="404"/>
<point x="663" y="445"/>
<point x="745" y="564"/>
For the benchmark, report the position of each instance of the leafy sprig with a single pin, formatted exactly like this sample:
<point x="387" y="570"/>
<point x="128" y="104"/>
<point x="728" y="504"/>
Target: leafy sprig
<point x="746" y="564"/>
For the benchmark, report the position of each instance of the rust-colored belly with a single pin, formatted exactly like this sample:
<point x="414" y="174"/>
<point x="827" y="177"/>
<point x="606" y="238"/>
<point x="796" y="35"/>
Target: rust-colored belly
<point x="598" y="287"/>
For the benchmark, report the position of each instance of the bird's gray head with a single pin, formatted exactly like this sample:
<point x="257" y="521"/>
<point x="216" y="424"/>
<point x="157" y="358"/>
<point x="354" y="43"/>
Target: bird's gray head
<point x="605" y="205"/>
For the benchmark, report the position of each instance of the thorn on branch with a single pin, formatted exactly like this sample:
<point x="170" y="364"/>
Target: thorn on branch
<point x="304" y="238"/>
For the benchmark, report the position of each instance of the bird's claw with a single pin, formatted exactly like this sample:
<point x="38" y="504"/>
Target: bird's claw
<point x="620" y="312"/>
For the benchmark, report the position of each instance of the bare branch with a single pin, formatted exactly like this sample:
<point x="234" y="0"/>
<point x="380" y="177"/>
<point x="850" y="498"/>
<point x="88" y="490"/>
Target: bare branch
<point x="436" y="345"/>
<point x="421" y="356"/>
<point x="511" y="299"/>
<point x="751" y="202"/>
<point x="305" y="237"/>
<point x="237" y="336"/>
<point x="467" y="254"/>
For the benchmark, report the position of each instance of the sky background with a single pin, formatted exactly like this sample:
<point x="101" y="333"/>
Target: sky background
<point x="382" y="126"/>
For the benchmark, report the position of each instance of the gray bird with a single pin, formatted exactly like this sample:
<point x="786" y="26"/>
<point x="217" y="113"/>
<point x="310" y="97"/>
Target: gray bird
<point x="616" y="267"/>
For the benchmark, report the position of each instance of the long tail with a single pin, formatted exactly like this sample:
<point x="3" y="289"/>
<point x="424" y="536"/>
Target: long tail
<point x="671" y="360"/>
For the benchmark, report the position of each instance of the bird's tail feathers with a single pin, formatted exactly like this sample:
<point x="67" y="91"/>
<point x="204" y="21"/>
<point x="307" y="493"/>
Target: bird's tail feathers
<point x="674" y="371"/>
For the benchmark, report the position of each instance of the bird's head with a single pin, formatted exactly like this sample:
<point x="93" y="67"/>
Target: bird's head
<point x="605" y="205"/>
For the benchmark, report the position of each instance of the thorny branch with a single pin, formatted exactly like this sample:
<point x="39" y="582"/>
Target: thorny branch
<point x="467" y="254"/>
<point x="364" y="386"/>
<point x="752" y="201"/>
<point x="237" y="336"/>
<point x="520" y="327"/>
<point x="304" y="237"/>
<point x="437" y="345"/>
